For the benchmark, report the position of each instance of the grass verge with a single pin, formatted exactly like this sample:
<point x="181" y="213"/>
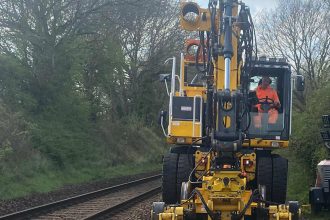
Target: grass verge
<point x="14" y="186"/>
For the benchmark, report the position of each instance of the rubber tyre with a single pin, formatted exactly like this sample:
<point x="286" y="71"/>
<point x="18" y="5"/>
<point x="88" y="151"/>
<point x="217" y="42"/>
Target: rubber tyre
<point x="185" y="166"/>
<point x="280" y="178"/>
<point x="169" y="181"/>
<point x="265" y="175"/>
<point x="316" y="208"/>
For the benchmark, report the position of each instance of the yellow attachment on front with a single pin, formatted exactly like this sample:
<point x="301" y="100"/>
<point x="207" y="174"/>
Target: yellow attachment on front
<point x="225" y="184"/>
<point x="223" y="191"/>
<point x="281" y="212"/>
<point x="172" y="213"/>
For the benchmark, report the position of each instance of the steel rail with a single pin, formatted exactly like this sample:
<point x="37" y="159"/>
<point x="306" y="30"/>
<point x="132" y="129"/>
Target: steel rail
<point x="108" y="212"/>
<point x="31" y="212"/>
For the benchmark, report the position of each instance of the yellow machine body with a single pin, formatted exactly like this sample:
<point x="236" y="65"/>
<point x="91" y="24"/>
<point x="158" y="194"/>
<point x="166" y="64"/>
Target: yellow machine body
<point x="186" y="132"/>
<point x="224" y="191"/>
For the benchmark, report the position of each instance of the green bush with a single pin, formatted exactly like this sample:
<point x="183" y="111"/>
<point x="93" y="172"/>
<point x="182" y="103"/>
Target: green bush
<point x="306" y="146"/>
<point x="62" y="146"/>
<point x="306" y="140"/>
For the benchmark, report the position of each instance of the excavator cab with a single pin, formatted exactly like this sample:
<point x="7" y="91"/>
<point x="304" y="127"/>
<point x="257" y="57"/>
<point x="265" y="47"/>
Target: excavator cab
<point x="268" y="123"/>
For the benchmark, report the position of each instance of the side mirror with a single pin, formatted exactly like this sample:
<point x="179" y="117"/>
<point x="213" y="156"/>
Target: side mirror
<point x="164" y="77"/>
<point x="300" y="83"/>
<point x="162" y="118"/>
<point x="162" y="121"/>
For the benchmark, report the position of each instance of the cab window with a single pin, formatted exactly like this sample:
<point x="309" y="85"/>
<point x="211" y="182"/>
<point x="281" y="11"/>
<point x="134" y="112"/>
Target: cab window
<point x="192" y="77"/>
<point x="265" y="118"/>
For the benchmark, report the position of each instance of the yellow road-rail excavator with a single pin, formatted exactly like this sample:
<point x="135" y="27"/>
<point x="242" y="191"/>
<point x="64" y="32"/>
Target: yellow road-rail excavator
<point x="228" y="109"/>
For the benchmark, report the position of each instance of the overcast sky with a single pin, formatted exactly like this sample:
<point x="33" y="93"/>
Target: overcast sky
<point x="255" y="5"/>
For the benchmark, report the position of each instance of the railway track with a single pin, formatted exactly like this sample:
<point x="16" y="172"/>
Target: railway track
<point x="100" y="204"/>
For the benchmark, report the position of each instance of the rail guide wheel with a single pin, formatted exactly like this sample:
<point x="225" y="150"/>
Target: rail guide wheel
<point x="185" y="166"/>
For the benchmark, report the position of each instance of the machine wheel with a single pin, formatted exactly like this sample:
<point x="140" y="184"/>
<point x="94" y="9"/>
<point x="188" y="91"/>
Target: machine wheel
<point x="265" y="175"/>
<point x="157" y="208"/>
<point x="294" y="209"/>
<point x="280" y="176"/>
<point x="185" y="166"/>
<point x="316" y="208"/>
<point x="169" y="178"/>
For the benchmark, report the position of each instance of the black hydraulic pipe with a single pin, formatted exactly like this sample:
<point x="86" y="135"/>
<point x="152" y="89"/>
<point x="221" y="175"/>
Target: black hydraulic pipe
<point x="228" y="46"/>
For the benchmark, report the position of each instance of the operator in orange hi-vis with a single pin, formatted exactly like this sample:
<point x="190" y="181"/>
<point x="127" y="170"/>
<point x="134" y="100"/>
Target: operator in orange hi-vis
<point x="268" y="102"/>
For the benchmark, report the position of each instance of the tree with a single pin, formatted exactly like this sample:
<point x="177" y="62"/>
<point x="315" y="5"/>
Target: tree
<point x="101" y="77"/>
<point x="148" y="32"/>
<point x="300" y="31"/>
<point x="73" y="63"/>
<point x="39" y="32"/>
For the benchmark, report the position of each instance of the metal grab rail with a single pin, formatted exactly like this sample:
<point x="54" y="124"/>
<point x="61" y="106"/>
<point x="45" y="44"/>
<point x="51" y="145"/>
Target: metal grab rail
<point x="171" y="94"/>
<point x="200" y="115"/>
<point x="170" y="114"/>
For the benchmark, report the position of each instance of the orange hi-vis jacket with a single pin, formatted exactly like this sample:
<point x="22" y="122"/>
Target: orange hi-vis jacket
<point x="272" y="113"/>
<point x="268" y="92"/>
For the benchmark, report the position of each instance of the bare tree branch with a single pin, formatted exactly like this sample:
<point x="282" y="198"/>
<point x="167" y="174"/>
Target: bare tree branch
<point x="299" y="30"/>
